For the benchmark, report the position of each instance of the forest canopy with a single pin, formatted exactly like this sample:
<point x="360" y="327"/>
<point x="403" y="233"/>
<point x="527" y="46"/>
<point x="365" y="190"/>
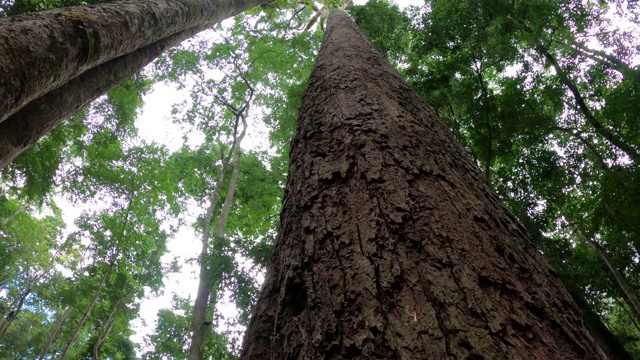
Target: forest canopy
<point x="98" y="218"/>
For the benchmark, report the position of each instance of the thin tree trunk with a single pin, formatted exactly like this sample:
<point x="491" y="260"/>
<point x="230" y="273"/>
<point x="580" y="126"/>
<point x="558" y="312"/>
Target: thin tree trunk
<point x="233" y="183"/>
<point x="106" y="329"/>
<point x="19" y="302"/>
<point x="42" y="51"/>
<point x="604" y="58"/>
<point x="87" y="312"/>
<point x="112" y="262"/>
<point x="18" y="210"/>
<point x="392" y="246"/>
<point x="601" y="333"/>
<point x="623" y="306"/>
<point x="600" y="129"/>
<point x="618" y="279"/>
<point x="198" y="323"/>
<point x="201" y="324"/>
<point x="54" y="332"/>
<point x="15" y="309"/>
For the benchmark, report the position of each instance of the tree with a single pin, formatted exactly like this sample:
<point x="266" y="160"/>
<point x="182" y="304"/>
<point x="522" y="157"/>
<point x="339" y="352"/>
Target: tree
<point x="549" y="117"/>
<point x="55" y="62"/>
<point x="391" y="243"/>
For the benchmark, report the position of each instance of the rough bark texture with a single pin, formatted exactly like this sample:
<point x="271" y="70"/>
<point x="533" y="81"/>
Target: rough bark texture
<point x="21" y="130"/>
<point x="41" y="51"/>
<point x="392" y="246"/>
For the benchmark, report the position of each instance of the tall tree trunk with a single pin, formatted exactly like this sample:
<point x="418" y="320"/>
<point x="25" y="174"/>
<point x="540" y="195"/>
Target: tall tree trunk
<point x="54" y="332"/>
<point x="201" y="325"/>
<point x="41" y="52"/>
<point x="391" y="245"/>
<point x="22" y="129"/>
<point x="198" y="322"/>
<point x="619" y="281"/>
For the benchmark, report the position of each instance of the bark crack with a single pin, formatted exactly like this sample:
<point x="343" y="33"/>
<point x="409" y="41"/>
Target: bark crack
<point x="336" y="248"/>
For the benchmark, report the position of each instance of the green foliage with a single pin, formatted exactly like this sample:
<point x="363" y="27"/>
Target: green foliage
<point x="505" y="77"/>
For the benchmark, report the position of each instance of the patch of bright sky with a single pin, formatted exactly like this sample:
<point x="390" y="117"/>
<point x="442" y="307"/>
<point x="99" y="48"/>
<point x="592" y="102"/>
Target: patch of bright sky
<point x="154" y="124"/>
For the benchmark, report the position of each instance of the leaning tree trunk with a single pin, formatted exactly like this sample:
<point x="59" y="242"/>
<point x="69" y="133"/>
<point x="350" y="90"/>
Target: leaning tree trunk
<point x="45" y="51"/>
<point x="601" y="333"/>
<point x="54" y="332"/>
<point x="619" y="281"/>
<point x="22" y="129"/>
<point x="391" y="245"/>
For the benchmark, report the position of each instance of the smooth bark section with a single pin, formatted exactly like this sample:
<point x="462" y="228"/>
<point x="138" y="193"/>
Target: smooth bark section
<point x="201" y="324"/>
<point x="198" y="323"/>
<point x="42" y="51"/>
<point x="21" y="130"/>
<point x="392" y="246"/>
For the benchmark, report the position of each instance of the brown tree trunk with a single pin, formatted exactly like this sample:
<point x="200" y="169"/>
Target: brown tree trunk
<point x="22" y="129"/>
<point x="42" y="52"/>
<point x="15" y="309"/>
<point x="106" y="329"/>
<point x="391" y="245"/>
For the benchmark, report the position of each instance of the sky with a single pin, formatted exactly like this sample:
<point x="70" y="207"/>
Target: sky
<point x="154" y="124"/>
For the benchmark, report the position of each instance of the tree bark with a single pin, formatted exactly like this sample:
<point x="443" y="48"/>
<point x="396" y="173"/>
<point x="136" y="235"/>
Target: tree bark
<point x="392" y="246"/>
<point x="21" y="130"/>
<point x="41" y="51"/>
<point x="49" y="50"/>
